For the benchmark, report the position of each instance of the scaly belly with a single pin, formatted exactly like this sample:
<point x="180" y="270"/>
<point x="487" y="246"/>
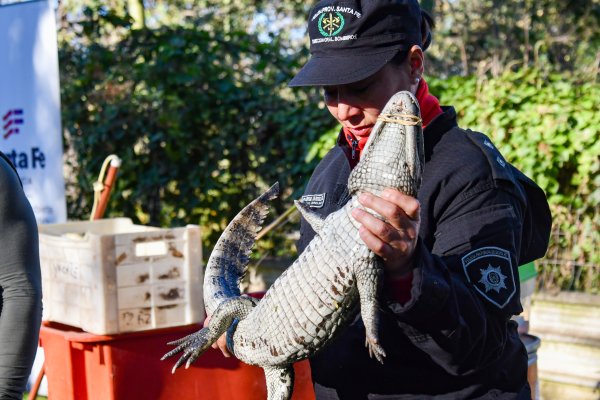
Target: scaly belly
<point x="305" y="307"/>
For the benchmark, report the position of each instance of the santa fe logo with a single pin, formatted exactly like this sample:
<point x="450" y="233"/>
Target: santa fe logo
<point x="11" y="120"/>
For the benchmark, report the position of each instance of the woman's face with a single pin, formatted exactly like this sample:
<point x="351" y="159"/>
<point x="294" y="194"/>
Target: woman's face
<point x="357" y="105"/>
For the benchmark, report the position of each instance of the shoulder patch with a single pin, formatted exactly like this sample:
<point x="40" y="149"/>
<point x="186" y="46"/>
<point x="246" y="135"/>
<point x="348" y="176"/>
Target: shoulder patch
<point x="490" y="271"/>
<point x="314" y="200"/>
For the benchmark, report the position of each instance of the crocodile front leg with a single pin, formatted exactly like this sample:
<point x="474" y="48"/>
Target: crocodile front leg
<point x="369" y="281"/>
<point x="197" y="343"/>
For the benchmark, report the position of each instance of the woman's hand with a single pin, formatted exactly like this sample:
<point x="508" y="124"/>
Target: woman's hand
<point x="221" y="343"/>
<point x="395" y="239"/>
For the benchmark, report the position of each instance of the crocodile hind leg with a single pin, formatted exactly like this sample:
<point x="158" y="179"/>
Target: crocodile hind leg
<point x="280" y="382"/>
<point x="369" y="281"/>
<point x="197" y="343"/>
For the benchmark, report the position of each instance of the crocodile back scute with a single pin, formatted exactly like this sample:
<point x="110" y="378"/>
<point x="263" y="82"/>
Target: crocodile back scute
<point x="308" y="304"/>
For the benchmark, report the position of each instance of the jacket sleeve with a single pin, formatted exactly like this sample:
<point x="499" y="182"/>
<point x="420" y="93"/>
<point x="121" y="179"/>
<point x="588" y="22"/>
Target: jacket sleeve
<point x="20" y="286"/>
<point x="466" y="287"/>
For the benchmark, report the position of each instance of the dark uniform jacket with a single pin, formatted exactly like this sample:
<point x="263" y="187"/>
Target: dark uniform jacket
<point x="480" y="219"/>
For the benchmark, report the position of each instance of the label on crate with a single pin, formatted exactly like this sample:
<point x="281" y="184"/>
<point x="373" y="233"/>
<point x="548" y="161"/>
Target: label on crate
<point x="135" y="318"/>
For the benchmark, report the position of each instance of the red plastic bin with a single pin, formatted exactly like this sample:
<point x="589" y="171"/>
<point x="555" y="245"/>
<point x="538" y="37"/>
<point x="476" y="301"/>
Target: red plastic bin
<point x="83" y="366"/>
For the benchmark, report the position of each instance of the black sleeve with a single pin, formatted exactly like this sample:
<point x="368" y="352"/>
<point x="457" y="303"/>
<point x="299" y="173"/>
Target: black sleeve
<point x="20" y="285"/>
<point x="466" y="288"/>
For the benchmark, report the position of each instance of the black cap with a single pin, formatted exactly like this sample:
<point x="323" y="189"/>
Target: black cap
<point x="351" y="40"/>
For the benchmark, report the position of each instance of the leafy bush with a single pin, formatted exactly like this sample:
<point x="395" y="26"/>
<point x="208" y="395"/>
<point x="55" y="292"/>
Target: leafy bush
<point x="203" y="120"/>
<point x="547" y="125"/>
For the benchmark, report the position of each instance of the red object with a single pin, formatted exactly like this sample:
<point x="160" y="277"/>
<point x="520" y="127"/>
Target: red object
<point x="36" y="385"/>
<point x="429" y="104"/>
<point x="399" y="288"/>
<point x="360" y="142"/>
<point x="82" y="366"/>
<point x="109" y="181"/>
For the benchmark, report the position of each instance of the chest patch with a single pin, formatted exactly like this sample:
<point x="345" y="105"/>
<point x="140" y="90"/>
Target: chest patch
<point x="490" y="271"/>
<point x="314" y="200"/>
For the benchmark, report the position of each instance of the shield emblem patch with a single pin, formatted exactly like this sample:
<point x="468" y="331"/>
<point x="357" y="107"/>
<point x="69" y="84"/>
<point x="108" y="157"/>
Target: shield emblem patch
<point x="490" y="271"/>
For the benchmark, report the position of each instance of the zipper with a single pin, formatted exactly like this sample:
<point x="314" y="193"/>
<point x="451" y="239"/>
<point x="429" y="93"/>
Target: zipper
<point x="354" y="146"/>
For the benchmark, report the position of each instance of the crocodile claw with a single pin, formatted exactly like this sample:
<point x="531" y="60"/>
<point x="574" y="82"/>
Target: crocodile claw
<point x="192" y="346"/>
<point x="375" y="349"/>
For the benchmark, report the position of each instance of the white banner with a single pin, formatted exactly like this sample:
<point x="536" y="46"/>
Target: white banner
<point x="30" y="126"/>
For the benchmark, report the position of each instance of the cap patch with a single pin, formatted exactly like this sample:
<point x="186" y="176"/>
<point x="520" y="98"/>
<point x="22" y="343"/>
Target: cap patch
<point x="490" y="271"/>
<point x="330" y="22"/>
<point x="331" y="25"/>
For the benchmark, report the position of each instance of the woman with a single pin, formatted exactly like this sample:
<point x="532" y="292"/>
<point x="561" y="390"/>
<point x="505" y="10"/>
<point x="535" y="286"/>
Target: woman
<point x="20" y="284"/>
<point x="451" y="255"/>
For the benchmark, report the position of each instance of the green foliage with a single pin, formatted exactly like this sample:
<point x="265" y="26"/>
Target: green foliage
<point x="322" y="145"/>
<point x="547" y="125"/>
<point x="492" y="36"/>
<point x="196" y="104"/>
<point x="202" y="120"/>
<point x="543" y="123"/>
<point x="38" y="397"/>
<point x="572" y="262"/>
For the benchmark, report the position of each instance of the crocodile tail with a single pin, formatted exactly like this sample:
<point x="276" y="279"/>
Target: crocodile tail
<point x="228" y="261"/>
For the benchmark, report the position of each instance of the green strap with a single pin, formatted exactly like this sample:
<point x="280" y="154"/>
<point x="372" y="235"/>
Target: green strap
<point x="527" y="271"/>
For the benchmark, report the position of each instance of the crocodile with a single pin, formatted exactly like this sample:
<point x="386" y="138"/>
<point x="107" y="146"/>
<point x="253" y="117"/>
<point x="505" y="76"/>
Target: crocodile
<point x="320" y="293"/>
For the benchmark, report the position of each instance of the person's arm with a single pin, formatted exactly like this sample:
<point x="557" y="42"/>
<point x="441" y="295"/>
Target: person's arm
<point x="20" y="286"/>
<point x="460" y="300"/>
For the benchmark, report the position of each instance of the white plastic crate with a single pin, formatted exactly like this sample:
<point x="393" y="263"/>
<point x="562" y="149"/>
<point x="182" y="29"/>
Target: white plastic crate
<point x="111" y="276"/>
